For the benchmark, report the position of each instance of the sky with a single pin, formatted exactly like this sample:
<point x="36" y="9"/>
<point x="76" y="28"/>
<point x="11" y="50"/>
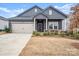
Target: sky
<point x="8" y="10"/>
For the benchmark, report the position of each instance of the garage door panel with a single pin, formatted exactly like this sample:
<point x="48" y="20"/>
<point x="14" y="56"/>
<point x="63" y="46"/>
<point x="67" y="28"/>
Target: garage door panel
<point x="22" y="28"/>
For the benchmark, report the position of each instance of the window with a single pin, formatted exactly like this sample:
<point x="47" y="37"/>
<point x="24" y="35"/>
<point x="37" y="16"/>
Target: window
<point x="35" y="9"/>
<point x="50" y="12"/>
<point x="53" y="25"/>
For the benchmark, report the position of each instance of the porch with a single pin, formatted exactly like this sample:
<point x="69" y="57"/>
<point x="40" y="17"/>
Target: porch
<point x="42" y="25"/>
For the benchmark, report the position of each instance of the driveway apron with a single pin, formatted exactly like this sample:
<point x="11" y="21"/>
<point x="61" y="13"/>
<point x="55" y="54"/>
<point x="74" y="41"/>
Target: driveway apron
<point x="12" y="44"/>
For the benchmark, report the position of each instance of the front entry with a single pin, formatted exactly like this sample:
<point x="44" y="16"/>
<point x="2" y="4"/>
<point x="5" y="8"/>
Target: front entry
<point x="40" y="25"/>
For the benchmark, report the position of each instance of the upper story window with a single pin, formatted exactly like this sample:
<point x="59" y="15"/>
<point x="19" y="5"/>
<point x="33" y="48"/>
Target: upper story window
<point x="50" y="12"/>
<point x="35" y="9"/>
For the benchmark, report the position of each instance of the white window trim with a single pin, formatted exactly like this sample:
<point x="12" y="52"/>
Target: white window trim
<point x="54" y="25"/>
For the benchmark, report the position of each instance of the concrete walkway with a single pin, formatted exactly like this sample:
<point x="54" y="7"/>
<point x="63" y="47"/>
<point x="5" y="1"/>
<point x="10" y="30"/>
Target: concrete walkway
<point x="12" y="44"/>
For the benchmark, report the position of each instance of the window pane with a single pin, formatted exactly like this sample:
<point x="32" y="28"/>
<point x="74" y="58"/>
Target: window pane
<point x="50" y="12"/>
<point x="55" y="27"/>
<point x="51" y="26"/>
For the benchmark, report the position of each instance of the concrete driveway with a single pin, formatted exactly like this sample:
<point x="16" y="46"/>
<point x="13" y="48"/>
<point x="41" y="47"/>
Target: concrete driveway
<point x="12" y="44"/>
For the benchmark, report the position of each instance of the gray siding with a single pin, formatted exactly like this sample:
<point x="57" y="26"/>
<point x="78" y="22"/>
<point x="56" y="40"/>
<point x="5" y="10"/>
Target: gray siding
<point x="40" y="16"/>
<point x="3" y="24"/>
<point x="55" y="14"/>
<point x="60" y="24"/>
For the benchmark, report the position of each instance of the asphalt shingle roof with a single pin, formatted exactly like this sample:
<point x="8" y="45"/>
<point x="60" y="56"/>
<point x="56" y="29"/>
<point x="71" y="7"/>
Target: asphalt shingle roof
<point x="2" y="18"/>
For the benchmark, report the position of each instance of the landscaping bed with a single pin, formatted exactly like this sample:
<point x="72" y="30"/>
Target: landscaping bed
<point x="50" y="46"/>
<point x="5" y="30"/>
<point x="65" y="34"/>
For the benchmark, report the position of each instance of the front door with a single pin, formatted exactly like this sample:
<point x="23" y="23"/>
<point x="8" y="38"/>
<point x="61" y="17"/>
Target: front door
<point x="40" y="26"/>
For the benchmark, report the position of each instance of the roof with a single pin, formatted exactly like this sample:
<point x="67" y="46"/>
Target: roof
<point x="19" y="17"/>
<point x="41" y="14"/>
<point x="2" y="18"/>
<point x="56" y="10"/>
<point x="30" y="9"/>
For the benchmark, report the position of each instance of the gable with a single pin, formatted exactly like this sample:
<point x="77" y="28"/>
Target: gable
<point x="40" y="16"/>
<point x="56" y="14"/>
<point x="31" y="12"/>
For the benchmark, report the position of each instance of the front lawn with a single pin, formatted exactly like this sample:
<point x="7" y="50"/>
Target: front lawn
<point x="51" y="46"/>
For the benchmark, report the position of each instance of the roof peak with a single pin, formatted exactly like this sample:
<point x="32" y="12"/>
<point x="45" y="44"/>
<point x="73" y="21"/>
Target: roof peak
<point x="35" y="6"/>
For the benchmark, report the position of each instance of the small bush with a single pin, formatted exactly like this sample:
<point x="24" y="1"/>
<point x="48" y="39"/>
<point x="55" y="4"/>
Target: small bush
<point x="78" y="32"/>
<point x="1" y="30"/>
<point x="36" y="33"/>
<point x="56" y="32"/>
<point x="76" y="35"/>
<point x="53" y="32"/>
<point x="33" y="34"/>
<point x="70" y="33"/>
<point x="46" y="33"/>
<point x="62" y="34"/>
<point x="7" y="30"/>
<point x="65" y="33"/>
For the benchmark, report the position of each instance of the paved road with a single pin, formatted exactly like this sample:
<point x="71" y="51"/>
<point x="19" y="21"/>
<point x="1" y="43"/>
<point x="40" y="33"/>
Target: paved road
<point x="12" y="44"/>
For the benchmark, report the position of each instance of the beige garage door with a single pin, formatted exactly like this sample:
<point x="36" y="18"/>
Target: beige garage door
<point x="22" y="28"/>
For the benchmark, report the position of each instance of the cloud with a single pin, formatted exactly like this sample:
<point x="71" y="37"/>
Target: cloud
<point x="4" y="9"/>
<point x="65" y="8"/>
<point x="10" y="12"/>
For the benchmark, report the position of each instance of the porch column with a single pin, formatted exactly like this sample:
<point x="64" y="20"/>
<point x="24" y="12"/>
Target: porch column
<point x="46" y="23"/>
<point x="34" y="23"/>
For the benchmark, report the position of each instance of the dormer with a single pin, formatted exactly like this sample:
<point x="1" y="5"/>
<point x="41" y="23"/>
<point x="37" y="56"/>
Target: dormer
<point x="54" y="13"/>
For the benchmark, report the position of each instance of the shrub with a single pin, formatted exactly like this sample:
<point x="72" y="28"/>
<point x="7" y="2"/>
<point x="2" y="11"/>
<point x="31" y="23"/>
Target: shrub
<point x="7" y="30"/>
<point x="76" y="35"/>
<point x="53" y="32"/>
<point x="56" y="32"/>
<point x="70" y="33"/>
<point x="1" y="30"/>
<point x="36" y="33"/>
<point x="65" y="33"/>
<point x="46" y="33"/>
<point x="33" y="34"/>
<point x="62" y="34"/>
<point x="78" y="32"/>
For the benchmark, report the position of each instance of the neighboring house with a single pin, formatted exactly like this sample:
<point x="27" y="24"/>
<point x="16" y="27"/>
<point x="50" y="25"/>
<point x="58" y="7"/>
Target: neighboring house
<point x="3" y="23"/>
<point x="38" y="19"/>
